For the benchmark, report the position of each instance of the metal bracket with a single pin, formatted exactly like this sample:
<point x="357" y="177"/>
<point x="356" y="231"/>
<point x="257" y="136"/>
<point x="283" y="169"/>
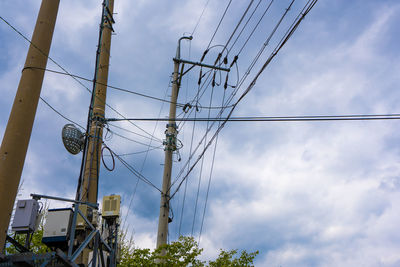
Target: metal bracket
<point x="17" y="245"/>
<point x="173" y="125"/>
<point x="200" y="64"/>
<point x="38" y="197"/>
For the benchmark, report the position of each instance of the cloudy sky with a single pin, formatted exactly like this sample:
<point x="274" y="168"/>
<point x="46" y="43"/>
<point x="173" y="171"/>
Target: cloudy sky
<point x="302" y="193"/>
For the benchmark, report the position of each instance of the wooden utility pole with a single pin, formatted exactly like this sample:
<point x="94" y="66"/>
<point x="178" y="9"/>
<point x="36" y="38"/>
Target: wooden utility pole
<point x="170" y="147"/>
<point x="19" y="127"/>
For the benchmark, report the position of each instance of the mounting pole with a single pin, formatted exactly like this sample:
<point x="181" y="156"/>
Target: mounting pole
<point x="19" y="127"/>
<point x="170" y="147"/>
<point x="88" y="188"/>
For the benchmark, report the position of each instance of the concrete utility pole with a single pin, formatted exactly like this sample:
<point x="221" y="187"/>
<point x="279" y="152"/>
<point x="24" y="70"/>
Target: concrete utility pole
<point x="89" y="188"/>
<point x="19" y="127"/>
<point x="88" y="191"/>
<point x="170" y="142"/>
<point x="170" y="147"/>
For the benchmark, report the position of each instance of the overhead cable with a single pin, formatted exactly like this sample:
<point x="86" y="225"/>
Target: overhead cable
<point x="198" y="21"/>
<point x="134" y="171"/>
<point x="146" y="155"/>
<point x="115" y="87"/>
<point x="138" y="152"/>
<point x="254" y="28"/>
<point x="201" y="165"/>
<point x="61" y="115"/>
<point x="209" y="180"/>
<point x="244" y="26"/>
<point x="135" y="133"/>
<point x="239" y="83"/>
<point x="132" y="140"/>
<point x="219" y="24"/>
<point x="65" y="71"/>
<point x="283" y="118"/>
<point x="238" y="24"/>
<point x="309" y="5"/>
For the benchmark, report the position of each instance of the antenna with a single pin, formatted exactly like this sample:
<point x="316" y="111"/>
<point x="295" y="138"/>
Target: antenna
<point x="72" y="138"/>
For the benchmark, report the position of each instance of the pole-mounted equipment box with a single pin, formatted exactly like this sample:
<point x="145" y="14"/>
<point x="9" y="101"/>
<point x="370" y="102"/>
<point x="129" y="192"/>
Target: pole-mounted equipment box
<point x="80" y="222"/>
<point x="56" y="230"/>
<point x="25" y="217"/>
<point x="111" y="206"/>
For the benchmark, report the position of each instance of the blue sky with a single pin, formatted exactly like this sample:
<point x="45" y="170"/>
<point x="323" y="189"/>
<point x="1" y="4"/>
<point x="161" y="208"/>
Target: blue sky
<point x="303" y="193"/>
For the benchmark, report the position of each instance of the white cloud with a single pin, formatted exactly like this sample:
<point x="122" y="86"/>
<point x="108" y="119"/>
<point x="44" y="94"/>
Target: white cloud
<point x="304" y="194"/>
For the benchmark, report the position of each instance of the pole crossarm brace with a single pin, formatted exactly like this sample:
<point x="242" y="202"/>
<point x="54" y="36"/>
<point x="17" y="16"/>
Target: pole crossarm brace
<point x="178" y="60"/>
<point x="37" y="197"/>
<point x="83" y="245"/>
<point x="72" y="256"/>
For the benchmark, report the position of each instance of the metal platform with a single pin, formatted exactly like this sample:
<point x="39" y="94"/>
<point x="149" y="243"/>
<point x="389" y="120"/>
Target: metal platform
<point x="28" y="259"/>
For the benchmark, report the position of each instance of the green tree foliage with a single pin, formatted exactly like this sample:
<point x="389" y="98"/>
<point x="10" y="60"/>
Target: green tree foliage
<point x="184" y="252"/>
<point x="36" y="244"/>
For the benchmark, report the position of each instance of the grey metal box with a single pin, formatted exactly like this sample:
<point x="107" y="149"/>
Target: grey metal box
<point x="25" y="216"/>
<point x="56" y="228"/>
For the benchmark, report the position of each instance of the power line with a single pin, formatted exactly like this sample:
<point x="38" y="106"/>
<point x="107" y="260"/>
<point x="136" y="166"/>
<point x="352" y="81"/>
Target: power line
<point x="198" y="21"/>
<point x="238" y="86"/>
<point x="138" y="152"/>
<point x="109" y="86"/>
<point x="134" y="171"/>
<point x="263" y="46"/>
<point x="190" y="150"/>
<point x="230" y="98"/>
<point x="255" y="27"/>
<point x="60" y="114"/>
<point x="208" y="189"/>
<point x="237" y="26"/>
<point x="197" y="97"/>
<point x="283" y="118"/>
<point x="219" y="24"/>
<point x="115" y="87"/>
<point x="146" y="155"/>
<point x="309" y="5"/>
<point x="130" y="139"/>
<point x="76" y="79"/>
<point x="209" y="181"/>
<point x="43" y="53"/>
<point x="65" y="71"/>
<point x="244" y="26"/>
<point x="201" y="167"/>
<point x="135" y="133"/>
<point x="293" y="27"/>
<point x="254" y="61"/>
<point x="184" y="195"/>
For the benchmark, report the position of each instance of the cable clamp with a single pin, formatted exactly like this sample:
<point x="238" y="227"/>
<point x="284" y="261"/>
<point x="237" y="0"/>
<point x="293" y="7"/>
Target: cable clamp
<point x="97" y="118"/>
<point x="173" y="125"/>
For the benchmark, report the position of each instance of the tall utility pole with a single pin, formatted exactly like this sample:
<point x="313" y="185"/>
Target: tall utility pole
<point x="89" y="189"/>
<point x="170" y="147"/>
<point x="88" y="185"/>
<point x="19" y="127"/>
<point x="170" y="142"/>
